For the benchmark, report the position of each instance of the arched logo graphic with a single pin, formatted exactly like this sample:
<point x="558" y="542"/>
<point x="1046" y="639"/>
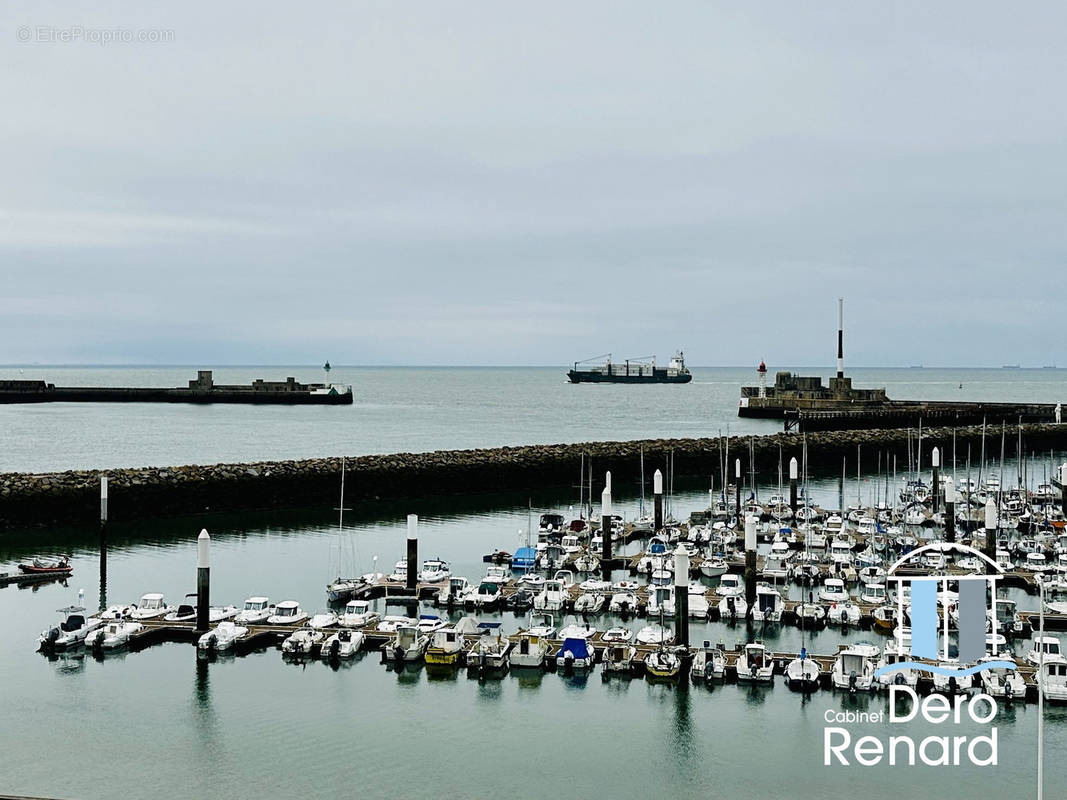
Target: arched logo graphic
<point x="922" y="610"/>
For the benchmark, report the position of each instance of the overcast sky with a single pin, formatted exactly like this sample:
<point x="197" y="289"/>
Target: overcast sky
<point x="533" y="183"/>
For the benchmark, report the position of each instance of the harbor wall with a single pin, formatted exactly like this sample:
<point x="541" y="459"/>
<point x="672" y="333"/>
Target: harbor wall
<point x="31" y="500"/>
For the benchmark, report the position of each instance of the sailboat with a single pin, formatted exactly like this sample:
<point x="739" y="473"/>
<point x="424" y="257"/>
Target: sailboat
<point x="342" y="589"/>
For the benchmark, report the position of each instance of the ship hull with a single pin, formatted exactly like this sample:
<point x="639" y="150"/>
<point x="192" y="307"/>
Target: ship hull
<point x="598" y="377"/>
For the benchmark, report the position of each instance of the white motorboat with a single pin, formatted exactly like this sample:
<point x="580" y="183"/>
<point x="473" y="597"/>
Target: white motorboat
<point x="324" y="619"/>
<point x="709" y="663"/>
<point x="655" y="634"/>
<point x="343" y="588"/>
<point x="255" y="612"/>
<point x="301" y="642"/>
<point x="429" y="623"/>
<point x="399" y="573"/>
<point x="445" y="647"/>
<point x="552" y="597"/>
<point x="733" y="608"/>
<point x="620" y="659"/>
<point x="71" y="632"/>
<point x="113" y="635"/>
<point x="872" y="575"/>
<point x="812" y="615"/>
<point x="152" y="606"/>
<point x="287" y="612"/>
<point x="698" y="603"/>
<point x="833" y="591"/>
<point x="874" y="594"/>
<point x="730" y="585"/>
<point x="577" y="630"/>
<point x="487" y="595"/>
<point x="713" y="567"/>
<point x="841" y="552"/>
<point x="454" y="593"/>
<point x="802" y="674"/>
<point x="775" y="569"/>
<point x="617" y="635"/>
<point x="623" y="603"/>
<point x="589" y="603"/>
<point x="769" y="605"/>
<point x="344" y="643"/>
<point x="660" y="598"/>
<point x="891" y="654"/>
<point x="492" y="648"/>
<point x="391" y="622"/>
<point x="434" y="570"/>
<point x="1051" y="646"/>
<point x="1002" y="682"/>
<point x="754" y="664"/>
<point x="587" y="562"/>
<point x="409" y="644"/>
<point x="359" y="614"/>
<point x="846" y="613"/>
<point x="854" y="667"/>
<point x="530" y="651"/>
<point x="1053" y="678"/>
<point x="223" y="637"/>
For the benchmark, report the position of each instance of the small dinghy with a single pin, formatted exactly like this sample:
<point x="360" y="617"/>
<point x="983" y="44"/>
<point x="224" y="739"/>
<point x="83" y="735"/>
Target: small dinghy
<point x="60" y="566"/>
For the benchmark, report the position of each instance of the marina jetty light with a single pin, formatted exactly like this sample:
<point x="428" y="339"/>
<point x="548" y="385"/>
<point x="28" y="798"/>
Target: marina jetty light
<point x="657" y="500"/>
<point x="413" y="551"/>
<point x="203" y="579"/>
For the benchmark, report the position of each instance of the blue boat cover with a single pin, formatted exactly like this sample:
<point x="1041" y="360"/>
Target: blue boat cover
<point x="657" y="547"/>
<point x="524" y="558"/>
<point x="488" y="626"/>
<point x="579" y="647"/>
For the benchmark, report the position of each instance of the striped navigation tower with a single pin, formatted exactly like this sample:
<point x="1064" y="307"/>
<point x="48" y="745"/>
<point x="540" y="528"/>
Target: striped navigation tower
<point x="840" y="337"/>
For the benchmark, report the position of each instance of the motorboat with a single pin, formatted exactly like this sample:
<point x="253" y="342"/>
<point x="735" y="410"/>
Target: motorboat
<point x="709" y="663"/>
<point x="893" y="654"/>
<point x="730" y="585"/>
<point x="623" y="603"/>
<point x="620" y="658"/>
<point x="577" y="630"/>
<point x="490" y="651"/>
<point x="589" y="603"/>
<point x="617" y="635"/>
<point x="487" y="595"/>
<point x="255" y="612"/>
<point x="874" y="594"/>
<point x="872" y="575"/>
<point x="551" y="525"/>
<point x="445" y="647"/>
<point x="113" y="635"/>
<point x="713" y="567"/>
<point x="71" y="632"/>
<point x="1053" y="679"/>
<point x="530" y="650"/>
<point x="454" y="593"/>
<point x="1007" y="618"/>
<point x="186" y="612"/>
<point x="802" y="673"/>
<point x="1049" y="644"/>
<point x="359" y="614"/>
<point x="833" y="591"/>
<point x="754" y="664"/>
<point x="222" y="637"/>
<point x="811" y="615"/>
<point x="399" y="573"/>
<point x="434" y="570"/>
<point x="655" y="634"/>
<point x="344" y="643"/>
<point x="532" y="581"/>
<point x="587" y="562"/>
<point x="428" y="623"/>
<point x="391" y="622"/>
<point x="409" y="644"/>
<point x="885" y="618"/>
<point x="61" y="567"/>
<point x="769" y="605"/>
<point x="841" y="552"/>
<point x="151" y="606"/>
<point x="341" y="589"/>
<point x="575" y="654"/>
<point x="660" y="598"/>
<point x="287" y="612"/>
<point x="775" y="569"/>
<point x="302" y="642"/>
<point x="846" y="613"/>
<point x="854" y="667"/>
<point x="733" y="608"/>
<point x="552" y="597"/>
<point x="663" y="664"/>
<point x="698" y="603"/>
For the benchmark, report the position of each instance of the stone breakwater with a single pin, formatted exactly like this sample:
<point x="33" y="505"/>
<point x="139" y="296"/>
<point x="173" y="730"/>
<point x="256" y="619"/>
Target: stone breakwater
<point x="28" y="500"/>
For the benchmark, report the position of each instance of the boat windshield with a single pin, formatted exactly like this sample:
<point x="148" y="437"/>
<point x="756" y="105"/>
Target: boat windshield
<point x="287" y="611"/>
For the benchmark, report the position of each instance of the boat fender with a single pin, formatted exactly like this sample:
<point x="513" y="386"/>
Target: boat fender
<point x="899" y="679"/>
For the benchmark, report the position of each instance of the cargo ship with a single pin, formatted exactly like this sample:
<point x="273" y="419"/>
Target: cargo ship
<point x="202" y="390"/>
<point x="643" y="370"/>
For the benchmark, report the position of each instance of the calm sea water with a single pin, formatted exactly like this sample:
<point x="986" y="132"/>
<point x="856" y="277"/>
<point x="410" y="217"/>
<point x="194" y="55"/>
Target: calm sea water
<point x="410" y="409"/>
<point x="161" y="724"/>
